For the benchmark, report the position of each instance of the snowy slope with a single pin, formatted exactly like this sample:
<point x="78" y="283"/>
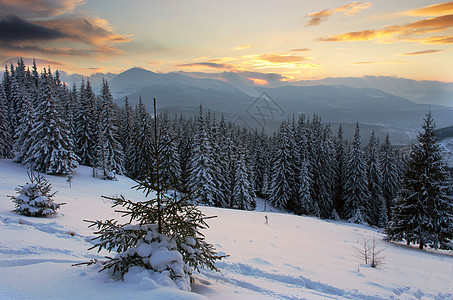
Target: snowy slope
<point x="291" y="258"/>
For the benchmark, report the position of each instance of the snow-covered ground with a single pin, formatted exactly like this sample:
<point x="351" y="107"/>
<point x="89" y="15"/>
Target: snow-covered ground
<point x="293" y="257"/>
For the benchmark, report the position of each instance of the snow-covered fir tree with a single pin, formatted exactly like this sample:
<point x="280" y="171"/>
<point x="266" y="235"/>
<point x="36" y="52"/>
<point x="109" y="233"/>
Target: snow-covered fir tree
<point x="306" y="204"/>
<point x="85" y="125"/>
<point x="356" y="193"/>
<point x="6" y="139"/>
<point x="340" y="172"/>
<point x="377" y="210"/>
<point x="242" y="191"/>
<point x="423" y="212"/>
<point x="51" y="149"/>
<point x="169" y="155"/>
<point x="23" y="138"/>
<point x="109" y="156"/>
<point x="202" y="178"/>
<point x="321" y="151"/>
<point x="126" y="133"/>
<point x="282" y="183"/>
<point x="390" y="174"/>
<point x="35" y="198"/>
<point x="141" y="137"/>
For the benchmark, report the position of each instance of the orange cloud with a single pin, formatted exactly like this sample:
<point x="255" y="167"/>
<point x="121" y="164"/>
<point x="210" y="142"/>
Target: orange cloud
<point x="300" y="50"/>
<point x="259" y="81"/>
<point x="283" y="58"/>
<point x="397" y="32"/>
<point x="347" y="9"/>
<point x="421" y="52"/>
<point x="242" y="47"/>
<point x="381" y="62"/>
<point x="433" y="10"/>
<point x="435" y="40"/>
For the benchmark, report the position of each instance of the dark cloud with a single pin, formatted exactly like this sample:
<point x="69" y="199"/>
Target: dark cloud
<point x="207" y="64"/>
<point x="14" y="29"/>
<point x="38" y="8"/>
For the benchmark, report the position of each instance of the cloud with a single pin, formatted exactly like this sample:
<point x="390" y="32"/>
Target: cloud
<point x="29" y="61"/>
<point x="242" y="47"/>
<point x="347" y="9"/>
<point x="300" y="50"/>
<point x="65" y="30"/>
<point x="38" y="8"/>
<point x="433" y="10"/>
<point x="206" y="64"/>
<point x="435" y="40"/>
<point x="14" y="29"/>
<point x="283" y="58"/>
<point x="397" y="32"/>
<point x="422" y="52"/>
<point x="89" y="30"/>
<point x="381" y="62"/>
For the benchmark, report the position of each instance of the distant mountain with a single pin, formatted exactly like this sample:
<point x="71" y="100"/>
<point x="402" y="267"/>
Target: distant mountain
<point x="377" y="103"/>
<point x="444" y="133"/>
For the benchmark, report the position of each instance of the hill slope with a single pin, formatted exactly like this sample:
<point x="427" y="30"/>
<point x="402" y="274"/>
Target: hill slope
<point x="291" y="258"/>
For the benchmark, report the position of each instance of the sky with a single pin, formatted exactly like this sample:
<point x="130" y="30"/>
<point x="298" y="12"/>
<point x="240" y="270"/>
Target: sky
<point x="293" y="39"/>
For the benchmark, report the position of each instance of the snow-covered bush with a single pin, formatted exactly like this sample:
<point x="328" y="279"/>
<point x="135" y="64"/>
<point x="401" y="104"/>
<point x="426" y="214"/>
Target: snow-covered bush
<point x="153" y="251"/>
<point x="34" y="198"/>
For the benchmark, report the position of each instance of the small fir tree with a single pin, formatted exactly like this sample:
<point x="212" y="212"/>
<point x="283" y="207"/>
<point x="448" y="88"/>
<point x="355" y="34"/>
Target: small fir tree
<point x="35" y="199"/>
<point x="167" y="226"/>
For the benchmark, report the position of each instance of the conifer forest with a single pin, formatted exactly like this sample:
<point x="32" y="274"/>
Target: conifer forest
<point x="304" y="167"/>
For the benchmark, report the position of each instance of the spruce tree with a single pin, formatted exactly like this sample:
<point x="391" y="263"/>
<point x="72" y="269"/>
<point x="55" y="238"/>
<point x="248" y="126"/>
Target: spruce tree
<point x="85" y="125"/>
<point x="109" y="156"/>
<point x="340" y="172"/>
<point x="356" y="194"/>
<point x="390" y="174"/>
<point x="377" y="207"/>
<point x="282" y="184"/>
<point x="202" y="178"/>
<point x="51" y="149"/>
<point x="242" y="191"/>
<point x="6" y="139"/>
<point x="423" y="212"/>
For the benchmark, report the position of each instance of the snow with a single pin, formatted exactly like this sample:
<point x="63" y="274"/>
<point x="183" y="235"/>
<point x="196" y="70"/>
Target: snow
<point x="293" y="257"/>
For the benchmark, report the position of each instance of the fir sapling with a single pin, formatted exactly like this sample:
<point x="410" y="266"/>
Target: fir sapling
<point x="35" y="198"/>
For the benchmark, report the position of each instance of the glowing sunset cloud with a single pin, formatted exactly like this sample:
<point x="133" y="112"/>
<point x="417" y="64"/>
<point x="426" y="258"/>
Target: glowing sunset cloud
<point x="433" y="10"/>
<point x="259" y="81"/>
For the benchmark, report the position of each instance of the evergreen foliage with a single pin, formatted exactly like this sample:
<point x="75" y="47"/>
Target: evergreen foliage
<point x="377" y="207"/>
<point x="282" y="171"/>
<point x="6" y="141"/>
<point x="423" y="213"/>
<point x="109" y="156"/>
<point x="34" y="198"/>
<point x="168" y="225"/>
<point x="390" y="174"/>
<point x="356" y="193"/>
<point x="51" y="150"/>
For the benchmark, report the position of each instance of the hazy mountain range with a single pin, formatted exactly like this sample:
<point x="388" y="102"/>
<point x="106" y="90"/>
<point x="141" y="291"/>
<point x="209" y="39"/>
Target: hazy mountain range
<point x="383" y="104"/>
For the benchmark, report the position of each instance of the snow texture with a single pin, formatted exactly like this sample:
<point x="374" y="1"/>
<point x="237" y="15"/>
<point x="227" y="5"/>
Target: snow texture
<point x="293" y="257"/>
